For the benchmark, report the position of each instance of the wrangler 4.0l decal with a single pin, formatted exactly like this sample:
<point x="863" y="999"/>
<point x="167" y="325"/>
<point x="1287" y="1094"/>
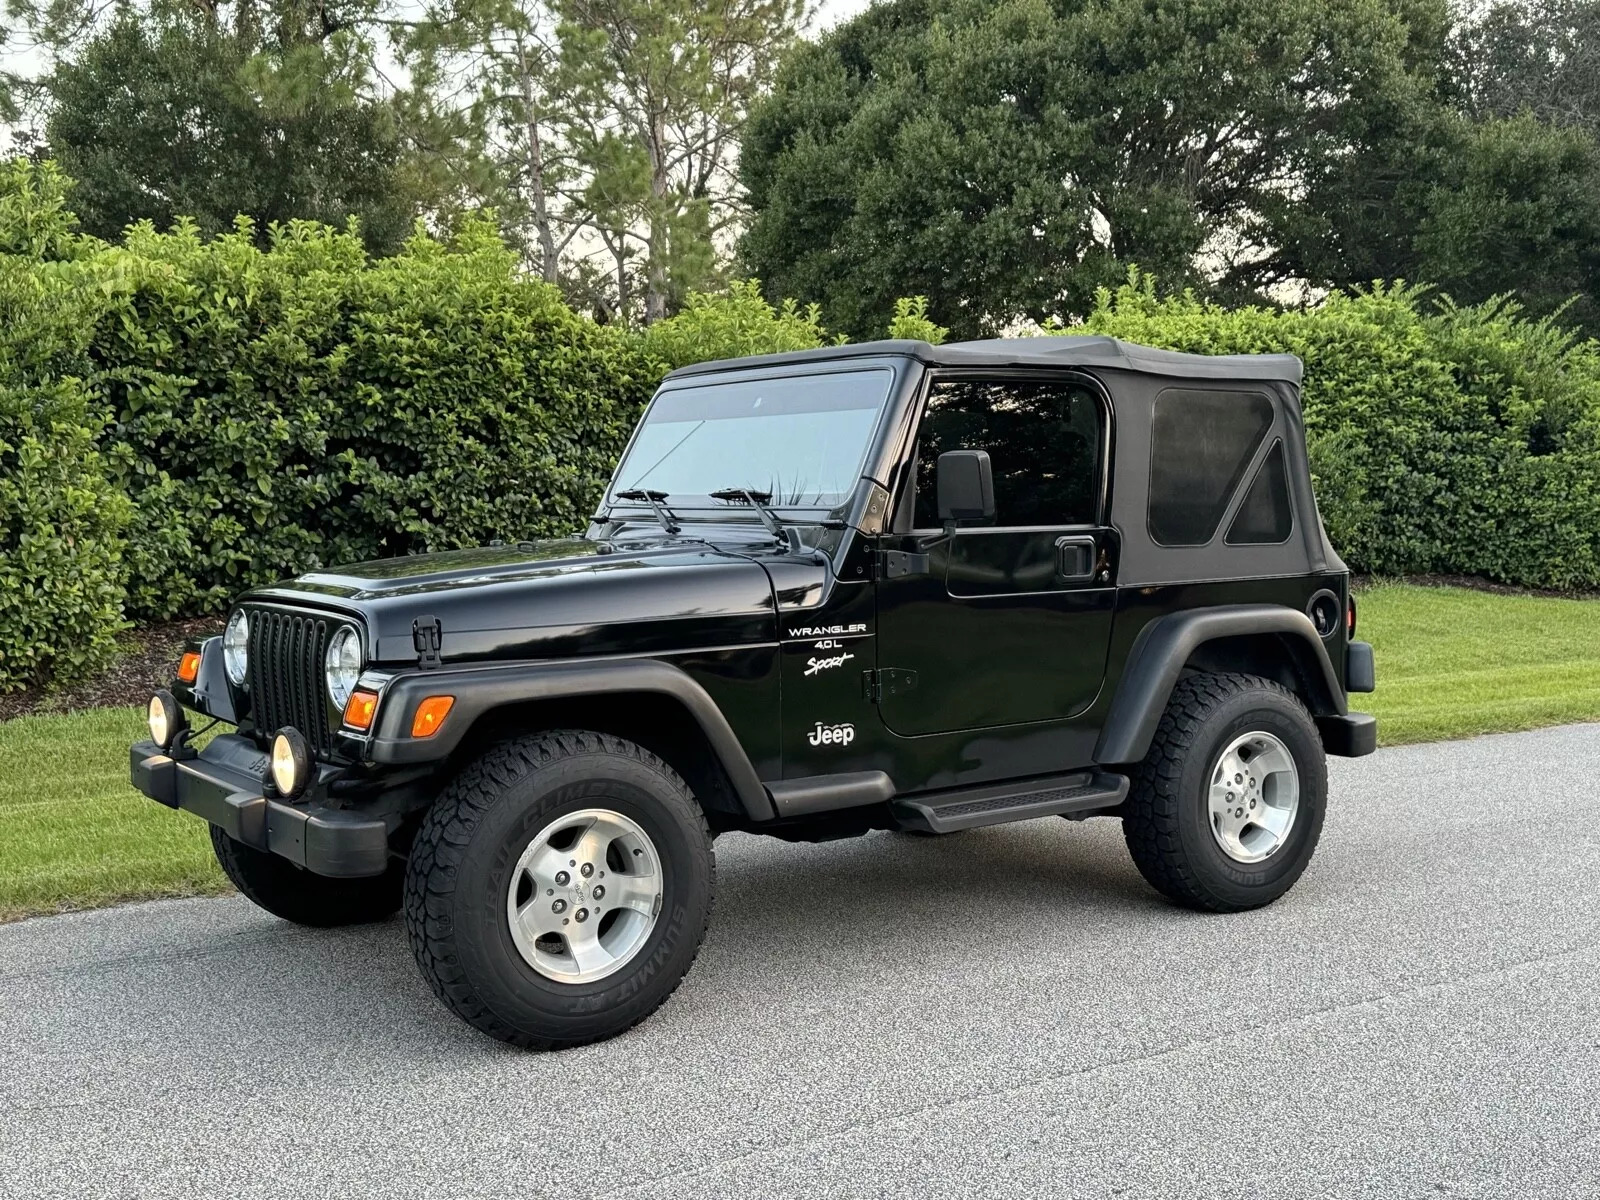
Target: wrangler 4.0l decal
<point x="832" y="735"/>
<point x="827" y="631"/>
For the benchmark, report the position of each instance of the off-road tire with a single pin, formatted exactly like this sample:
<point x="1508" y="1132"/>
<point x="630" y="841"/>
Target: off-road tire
<point x="297" y="895"/>
<point x="1166" y="822"/>
<point x="468" y="846"/>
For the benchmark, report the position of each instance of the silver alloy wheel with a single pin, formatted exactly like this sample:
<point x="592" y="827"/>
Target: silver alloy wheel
<point x="1254" y="796"/>
<point x="584" y="896"/>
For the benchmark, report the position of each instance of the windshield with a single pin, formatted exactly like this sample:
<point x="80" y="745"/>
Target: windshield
<point x="800" y="440"/>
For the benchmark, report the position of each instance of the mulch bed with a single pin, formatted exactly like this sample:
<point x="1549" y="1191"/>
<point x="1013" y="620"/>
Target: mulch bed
<point x="1475" y="584"/>
<point x="148" y="659"/>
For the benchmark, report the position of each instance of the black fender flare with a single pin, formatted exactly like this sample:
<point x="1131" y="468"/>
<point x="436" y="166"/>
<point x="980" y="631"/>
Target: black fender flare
<point x="1163" y="647"/>
<point x="482" y="689"/>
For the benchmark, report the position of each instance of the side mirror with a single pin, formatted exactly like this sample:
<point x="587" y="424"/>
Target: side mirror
<point x="966" y="486"/>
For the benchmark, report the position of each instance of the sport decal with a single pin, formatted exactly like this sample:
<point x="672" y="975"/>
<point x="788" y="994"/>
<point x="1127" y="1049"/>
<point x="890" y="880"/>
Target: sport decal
<point x="815" y="666"/>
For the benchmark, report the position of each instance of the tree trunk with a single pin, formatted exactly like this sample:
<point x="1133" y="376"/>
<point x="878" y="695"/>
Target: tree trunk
<point x="549" y="265"/>
<point x="655" y="295"/>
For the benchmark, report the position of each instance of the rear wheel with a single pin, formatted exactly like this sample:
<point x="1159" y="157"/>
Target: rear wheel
<point x="559" y="889"/>
<point x="297" y="895"/>
<point x="1227" y="806"/>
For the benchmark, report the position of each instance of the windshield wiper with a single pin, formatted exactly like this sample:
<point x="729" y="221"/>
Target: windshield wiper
<point x="653" y="499"/>
<point x="759" y="501"/>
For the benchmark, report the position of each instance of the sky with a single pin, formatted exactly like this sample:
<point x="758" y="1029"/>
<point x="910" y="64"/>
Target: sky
<point x="831" y="12"/>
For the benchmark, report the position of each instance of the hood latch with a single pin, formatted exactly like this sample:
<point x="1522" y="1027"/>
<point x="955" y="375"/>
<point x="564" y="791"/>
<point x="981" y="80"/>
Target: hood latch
<point x="427" y="635"/>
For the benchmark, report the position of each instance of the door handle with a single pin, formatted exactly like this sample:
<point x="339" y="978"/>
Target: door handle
<point x="1075" y="558"/>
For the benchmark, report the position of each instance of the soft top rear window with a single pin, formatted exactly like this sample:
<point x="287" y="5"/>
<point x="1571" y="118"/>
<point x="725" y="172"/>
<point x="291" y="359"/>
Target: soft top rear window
<point x="1201" y="444"/>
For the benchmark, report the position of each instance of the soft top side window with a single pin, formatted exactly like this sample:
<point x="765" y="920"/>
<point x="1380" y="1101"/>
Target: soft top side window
<point x="1045" y="439"/>
<point x="1266" y="517"/>
<point x="1201" y="444"/>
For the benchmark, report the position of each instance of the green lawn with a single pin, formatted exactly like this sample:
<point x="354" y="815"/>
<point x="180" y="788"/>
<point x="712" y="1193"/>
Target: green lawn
<point x="1451" y="662"/>
<point x="74" y="833"/>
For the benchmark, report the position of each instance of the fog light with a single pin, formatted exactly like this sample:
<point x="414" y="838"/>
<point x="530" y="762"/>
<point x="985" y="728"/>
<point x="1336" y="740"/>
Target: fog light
<point x="291" y="762"/>
<point x="165" y="717"/>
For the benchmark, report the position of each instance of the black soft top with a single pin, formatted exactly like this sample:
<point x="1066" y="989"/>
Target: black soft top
<point x="1081" y="351"/>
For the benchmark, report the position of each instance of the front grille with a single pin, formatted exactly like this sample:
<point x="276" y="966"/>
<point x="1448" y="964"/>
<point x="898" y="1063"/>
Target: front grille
<point x="285" y="673"/>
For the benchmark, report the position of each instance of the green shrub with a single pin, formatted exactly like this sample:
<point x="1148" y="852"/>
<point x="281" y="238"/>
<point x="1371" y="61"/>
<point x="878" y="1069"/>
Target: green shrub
<point x="738" y="324"/>
<point x="1459" y="440"/>
<point x="284" y="409"/>
<point x="60" y="519"/>
<point x="911" y="321"/>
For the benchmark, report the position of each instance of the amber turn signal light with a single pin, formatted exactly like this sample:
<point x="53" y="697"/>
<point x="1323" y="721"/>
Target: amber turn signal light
<point x="189" y="666"/>
<point x="430" y="715"/>
<point x="359" y="708"/>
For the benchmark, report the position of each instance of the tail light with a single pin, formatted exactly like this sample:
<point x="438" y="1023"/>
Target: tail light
<point x="1350" y="616"/>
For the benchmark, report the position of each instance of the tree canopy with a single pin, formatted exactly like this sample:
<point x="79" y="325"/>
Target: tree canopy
<point x="1008" y="158"/>
<point x="605" y="131"/>
<point x="216" y="112"/>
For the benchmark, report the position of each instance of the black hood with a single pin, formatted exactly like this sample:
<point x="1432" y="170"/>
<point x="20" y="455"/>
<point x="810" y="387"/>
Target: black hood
<point x="556" y="598"/>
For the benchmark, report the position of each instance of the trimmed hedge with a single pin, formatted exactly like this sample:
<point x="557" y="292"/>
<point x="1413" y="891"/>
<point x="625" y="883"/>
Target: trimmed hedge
<point x="1443" y="439"/>
<point x="61" y="520"/>
<point x="272" y="411"/>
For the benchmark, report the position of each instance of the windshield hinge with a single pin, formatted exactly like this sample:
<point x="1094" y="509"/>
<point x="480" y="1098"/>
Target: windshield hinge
<point x="427" y="635"/>
<point x="896" y="564"/>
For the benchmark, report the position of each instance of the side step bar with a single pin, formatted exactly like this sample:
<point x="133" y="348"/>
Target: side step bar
<point x="968" y="808"/>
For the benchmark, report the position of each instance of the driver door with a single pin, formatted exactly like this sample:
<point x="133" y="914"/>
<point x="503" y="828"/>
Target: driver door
<point x="1007" y="622"/>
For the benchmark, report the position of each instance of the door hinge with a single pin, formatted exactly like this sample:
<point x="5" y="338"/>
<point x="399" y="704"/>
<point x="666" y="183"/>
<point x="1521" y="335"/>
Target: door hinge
<point x="887" y="681"/>
<point x="427" y="635"/>
<point x="896" y="564"/>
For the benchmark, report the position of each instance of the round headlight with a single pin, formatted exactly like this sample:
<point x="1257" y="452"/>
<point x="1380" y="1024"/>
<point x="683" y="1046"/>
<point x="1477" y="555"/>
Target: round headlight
<point x="235" y="647"/>
<point x="165" y="719"/>
<point x="291" y="762"/>
<point x="343" y="665"/>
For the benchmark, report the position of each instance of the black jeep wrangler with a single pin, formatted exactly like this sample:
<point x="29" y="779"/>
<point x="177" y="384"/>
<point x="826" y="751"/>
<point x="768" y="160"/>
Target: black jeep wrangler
<point x="889" y="586"/>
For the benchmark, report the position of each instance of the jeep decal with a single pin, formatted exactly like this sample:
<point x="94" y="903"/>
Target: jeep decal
<point x="832" y="735"/>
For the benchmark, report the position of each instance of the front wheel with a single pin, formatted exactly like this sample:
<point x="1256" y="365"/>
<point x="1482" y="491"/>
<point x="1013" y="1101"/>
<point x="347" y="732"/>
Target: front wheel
<point x="297" y="895"/>
<point x="1227" y="806"/>
<point x="559" y="889"/>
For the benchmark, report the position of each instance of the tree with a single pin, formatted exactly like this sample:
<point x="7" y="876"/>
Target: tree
<point x="1541" y="57"/>
<point x="1006" y="159"/>
<point x="1493" y="189"/>
<point x="216" y="111"/>
<point x="604" y="131"/>
<point x="1476" y="208"/>
<point x="669" y="85"/>
<point x="486" y="77"/>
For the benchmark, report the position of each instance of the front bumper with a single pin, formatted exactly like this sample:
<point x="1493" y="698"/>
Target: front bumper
<point x="224" y="784"/>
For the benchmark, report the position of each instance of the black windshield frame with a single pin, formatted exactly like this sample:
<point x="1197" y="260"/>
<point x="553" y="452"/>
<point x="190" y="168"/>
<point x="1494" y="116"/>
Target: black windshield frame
<point x="877" y="384"/>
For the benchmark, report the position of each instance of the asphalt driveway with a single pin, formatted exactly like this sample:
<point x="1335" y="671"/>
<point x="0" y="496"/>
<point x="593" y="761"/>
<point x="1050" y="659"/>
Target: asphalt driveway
<point x="1004" y="1012"/>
